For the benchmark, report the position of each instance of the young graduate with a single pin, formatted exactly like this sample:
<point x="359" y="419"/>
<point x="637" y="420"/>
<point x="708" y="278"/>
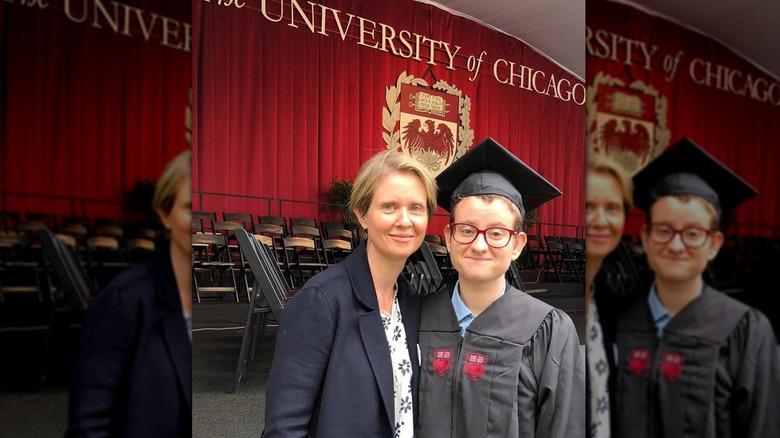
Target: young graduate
<point x="692" y="362"/>
<point x="495" y="362"/>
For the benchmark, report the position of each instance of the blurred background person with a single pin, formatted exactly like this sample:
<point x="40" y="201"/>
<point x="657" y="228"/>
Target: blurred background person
<point x="692" y="361"/>
<point x="133" y="375"/>
<point x="609" y="194"/>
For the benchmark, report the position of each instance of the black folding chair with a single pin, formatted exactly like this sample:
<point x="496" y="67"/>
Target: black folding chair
<point x="72" y="277"/>
<point x="540" y="255"/>
<point x="575" y="259"/>
<point x="269" y="295"/>
<point x="442" y="257"/>
<point x="74" y="292"/>
<point x="425" y="270"/>
<point x="513" y="276"/>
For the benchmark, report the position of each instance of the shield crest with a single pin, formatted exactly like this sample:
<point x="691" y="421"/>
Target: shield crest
<point x="671" y="365"/>
<point x="637" y="361"/>
<point x="431" y="124"/>
<point x="442" y="360"/>
<point x="626" y="124"/>
<point x="475" y="365"/>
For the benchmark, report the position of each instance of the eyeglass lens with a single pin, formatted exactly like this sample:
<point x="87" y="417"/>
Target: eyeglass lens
<point x="496" y="237"/>
<point x="691" y="236"/>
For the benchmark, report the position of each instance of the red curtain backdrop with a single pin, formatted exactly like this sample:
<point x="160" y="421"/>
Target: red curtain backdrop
<point x="738" y="130"/>
<point x="87" y="111"/>
<point x="282" y="110"/>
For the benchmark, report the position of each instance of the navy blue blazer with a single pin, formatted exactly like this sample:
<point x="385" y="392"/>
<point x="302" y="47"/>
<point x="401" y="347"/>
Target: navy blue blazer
<point x="133" y="374"/>
<point x="331" y="373"/>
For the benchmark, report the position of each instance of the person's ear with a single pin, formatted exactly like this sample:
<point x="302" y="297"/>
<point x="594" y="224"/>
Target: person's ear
<point x="715" y="245"/>
<point x="361" y="218"/>
<point x="164" y="219"/>
<point x="643" y="236"/>
<point x="517" y="247"/>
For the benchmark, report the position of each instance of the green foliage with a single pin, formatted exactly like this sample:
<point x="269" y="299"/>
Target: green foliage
<point x="339" y="193"/>
<point x="530" y="220"/>
<point x="137" y="202"/>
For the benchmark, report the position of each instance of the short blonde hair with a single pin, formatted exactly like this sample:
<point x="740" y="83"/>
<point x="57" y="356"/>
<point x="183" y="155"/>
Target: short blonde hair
<point x="380" y="165"/>
<point x="603" y="164"/>
<point x="178" y="168"/>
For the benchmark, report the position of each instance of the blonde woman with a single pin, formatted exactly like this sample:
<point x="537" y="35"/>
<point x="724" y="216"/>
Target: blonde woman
<point x="609" y="198"/>
<point x="346" y="352"/>
<point x="133" y="375"/>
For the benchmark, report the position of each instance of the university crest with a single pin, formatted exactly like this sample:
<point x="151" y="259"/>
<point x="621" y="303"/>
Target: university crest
<point x="672" y="365"/>
<point x="429" y="123"/>
<point x="474" y="368"/>
<point x="626" y="123"/>
<point x="638" y="360"/>
<point x="442" y="361"/>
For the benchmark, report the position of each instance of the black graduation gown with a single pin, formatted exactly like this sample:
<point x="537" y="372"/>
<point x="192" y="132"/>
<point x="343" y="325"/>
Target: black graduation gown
<point x="517" y="372"/>
<point x="713" y="372"/>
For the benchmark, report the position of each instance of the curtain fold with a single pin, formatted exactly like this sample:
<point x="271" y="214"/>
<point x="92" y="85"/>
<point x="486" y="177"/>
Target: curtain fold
<point x="304" y="108"/>
<point x="87" y="111"/>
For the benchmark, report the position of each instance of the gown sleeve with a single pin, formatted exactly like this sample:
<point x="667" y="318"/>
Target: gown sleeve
<point x="303" y="345"/>
<point x="753" y="364"/>
<point x="561" y="373"/>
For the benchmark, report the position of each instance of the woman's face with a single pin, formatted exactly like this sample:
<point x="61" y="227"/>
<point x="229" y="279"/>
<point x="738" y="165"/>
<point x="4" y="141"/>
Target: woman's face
<point x="179" y="220"/>
<point x="605" y="215"/>
<point x="397" y="216"/>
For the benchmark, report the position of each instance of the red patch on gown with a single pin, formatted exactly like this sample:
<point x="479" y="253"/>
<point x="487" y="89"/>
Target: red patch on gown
<point x="637" y="361"/>
<point x="475" y="366"/>
<point x="671" y="365"/>
<point x="442" y="360"/>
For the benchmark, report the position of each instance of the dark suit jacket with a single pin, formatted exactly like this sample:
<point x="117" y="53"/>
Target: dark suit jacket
<point x="332" y="374"/>
<point x="133" y="375"/>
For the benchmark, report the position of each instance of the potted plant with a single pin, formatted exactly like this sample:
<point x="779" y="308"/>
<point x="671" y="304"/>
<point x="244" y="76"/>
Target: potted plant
<point x="339" y="192"/>
<point x="137" y="202"/>
<point x="530" y="220"/>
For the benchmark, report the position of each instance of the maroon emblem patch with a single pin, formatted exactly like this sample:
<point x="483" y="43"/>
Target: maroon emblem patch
<point x="442" y="359"/>
<point x="637" y="361"/>
<point x="475" y="366"/>
<point x="671" y="365"/>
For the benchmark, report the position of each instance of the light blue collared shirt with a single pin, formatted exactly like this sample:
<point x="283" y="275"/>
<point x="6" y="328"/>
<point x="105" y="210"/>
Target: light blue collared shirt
<point x="660" y="314"/>
<point x="462" y="312"/>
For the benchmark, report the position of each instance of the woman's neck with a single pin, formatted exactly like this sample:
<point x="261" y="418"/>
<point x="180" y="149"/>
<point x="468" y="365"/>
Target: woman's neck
<point x="384" y="273"/>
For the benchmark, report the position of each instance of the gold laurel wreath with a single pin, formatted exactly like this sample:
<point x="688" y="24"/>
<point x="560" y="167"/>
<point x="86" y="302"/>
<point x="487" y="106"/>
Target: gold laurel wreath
<point x="188" y="119"/>
<point x="391" y="113"/>
<point x="661" y="131"/>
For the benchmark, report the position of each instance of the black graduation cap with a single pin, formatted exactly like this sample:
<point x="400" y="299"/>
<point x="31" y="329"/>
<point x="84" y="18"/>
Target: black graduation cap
<point x="687" y="169"/>
<point x="489" y="169"/>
